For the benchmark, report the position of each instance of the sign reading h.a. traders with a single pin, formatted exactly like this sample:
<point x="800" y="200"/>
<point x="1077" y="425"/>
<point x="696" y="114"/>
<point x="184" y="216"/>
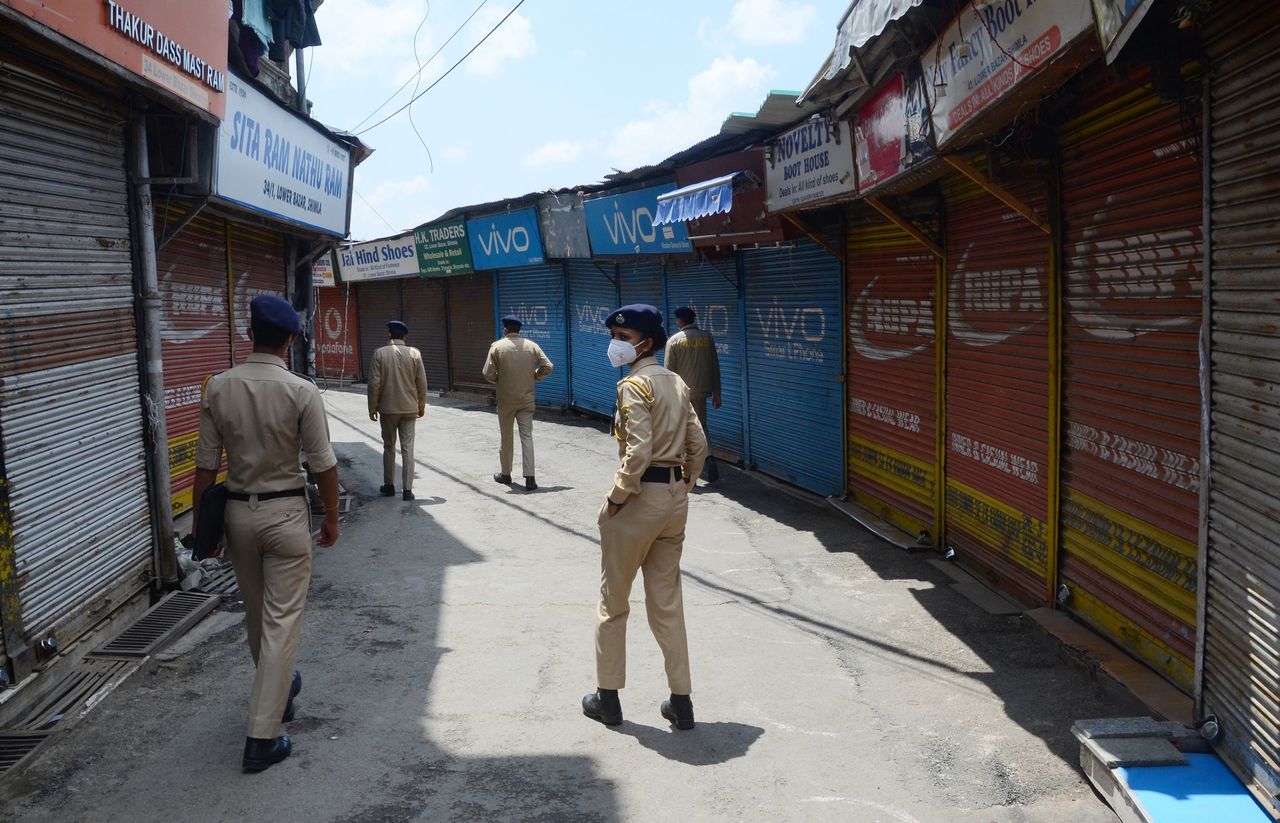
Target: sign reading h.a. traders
<point x="811" y="163"/>
<point x="443" y="248"/>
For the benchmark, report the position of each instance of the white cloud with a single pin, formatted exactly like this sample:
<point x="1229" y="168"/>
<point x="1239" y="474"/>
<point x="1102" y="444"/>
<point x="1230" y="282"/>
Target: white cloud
<point x="404" y="203"/>
<point x="770" y="22"/>
<point x="452" y="153"/>
<point x="556" y="152"/>
<point x="727" y="85"/>
<point x="512" y="41"/>
<point x="366" y="38"/>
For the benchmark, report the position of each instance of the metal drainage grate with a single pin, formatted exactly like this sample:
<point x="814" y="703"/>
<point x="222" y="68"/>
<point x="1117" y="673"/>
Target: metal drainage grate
<point x="75" y="693"/>
<point x="155" y="629"/>
<point x="18" y="746"/>
<point x="221" y="581"/>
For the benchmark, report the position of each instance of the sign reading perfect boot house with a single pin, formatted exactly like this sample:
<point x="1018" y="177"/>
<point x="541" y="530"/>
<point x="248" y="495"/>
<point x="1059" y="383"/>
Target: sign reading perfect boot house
<point x="273" y="162"/>
<point x="892" y="134"/>
<point x="385" y="259"/>
<point x="505" y="240"/>
<point x="180" y="47"/>
<point x="989" y="52"/>
<point x="443" y="248"/>
<point x="623" y="224"/>
<point x="810" y="163"/>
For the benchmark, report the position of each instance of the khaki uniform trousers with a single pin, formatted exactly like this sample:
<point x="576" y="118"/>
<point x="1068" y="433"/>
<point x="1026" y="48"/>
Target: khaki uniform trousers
<point x="523" y="418"/>
<point x="270" y="547"/>
<point x="404" y="426"/>
<point x="699" y="402"/>
<point x="647" y="534"/>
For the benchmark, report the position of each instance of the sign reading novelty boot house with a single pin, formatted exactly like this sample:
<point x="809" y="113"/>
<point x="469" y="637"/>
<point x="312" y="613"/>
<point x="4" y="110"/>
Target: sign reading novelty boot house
<point x="809" y="164"/>
<point x="505" y="240"/>
<point x="623" y="224"/>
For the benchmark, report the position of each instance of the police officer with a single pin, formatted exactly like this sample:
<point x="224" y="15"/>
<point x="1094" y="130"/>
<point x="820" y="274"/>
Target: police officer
<point x="397" y="393"/>
<point x="691" y="353"/>
<point x="642" y="520"/>
<point x="264" y="416"/>
<point x="514" y="364"/>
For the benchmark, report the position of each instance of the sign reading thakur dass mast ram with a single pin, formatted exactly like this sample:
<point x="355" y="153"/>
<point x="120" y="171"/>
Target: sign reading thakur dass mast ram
<point x="989" y="51"/>
<point x="180" y="47"/>
<point x="386" y="259"/>
<point x="623" y="224"/>
<point x="810" y="163"/>
<point x="273" y="162"/>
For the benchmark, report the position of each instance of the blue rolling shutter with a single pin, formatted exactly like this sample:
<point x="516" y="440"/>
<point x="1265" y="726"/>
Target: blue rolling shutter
<point x="711" y="290"/>
<point x="640" y="281"/>
<point x="592" y="295"/>
<point x="536" y="294"/>
<point x="795" y="362"/>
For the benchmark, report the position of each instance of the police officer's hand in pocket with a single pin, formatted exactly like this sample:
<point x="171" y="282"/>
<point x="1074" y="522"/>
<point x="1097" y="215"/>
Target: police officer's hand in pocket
<point x="611" y="508"/>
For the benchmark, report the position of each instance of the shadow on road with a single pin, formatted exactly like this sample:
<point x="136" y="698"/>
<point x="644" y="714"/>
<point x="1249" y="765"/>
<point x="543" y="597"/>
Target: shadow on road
<point x="705" y="745"/>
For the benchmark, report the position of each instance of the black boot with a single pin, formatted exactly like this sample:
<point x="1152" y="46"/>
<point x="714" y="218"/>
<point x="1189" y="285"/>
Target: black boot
<point x="529" y="485"/>
<point x="387" y="491"/>
<point x="261" y="753"/>
<point x="603" y="705"/>
<point x="406" y="495"/>
<point x="294" y="689"/>
<point x="678" y="711"/>
<point x="712" y="471"/>
<point x="505" y="479"/>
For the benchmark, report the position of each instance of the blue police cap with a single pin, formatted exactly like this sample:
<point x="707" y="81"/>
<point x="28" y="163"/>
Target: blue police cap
<point x="397" y="328"/>
<point x="512" y="321"/>
<point x="270" y="310"/>
<point x="643" y="318"/>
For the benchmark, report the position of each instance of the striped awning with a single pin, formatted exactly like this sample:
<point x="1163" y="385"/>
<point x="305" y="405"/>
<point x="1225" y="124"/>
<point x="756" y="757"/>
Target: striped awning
<point x="699" y="200"/>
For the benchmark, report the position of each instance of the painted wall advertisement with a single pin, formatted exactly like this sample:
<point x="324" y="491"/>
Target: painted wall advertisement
<point x="893" y="132"/>
<point x="271" y="161"/>
<point x="386" y="259"/>
<point x="179" y="47"/>
<point x="443" y="248"/>
<point x="623" y="224"/>
<point x="810" y="163"/>
<point x="1007" y="42"/>
<point x="337" y="337"/>
<point x="506" y="240"/>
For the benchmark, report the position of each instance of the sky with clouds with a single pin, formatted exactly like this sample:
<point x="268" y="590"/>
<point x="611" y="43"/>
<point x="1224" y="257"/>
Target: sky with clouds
<point x="561" y="94"/>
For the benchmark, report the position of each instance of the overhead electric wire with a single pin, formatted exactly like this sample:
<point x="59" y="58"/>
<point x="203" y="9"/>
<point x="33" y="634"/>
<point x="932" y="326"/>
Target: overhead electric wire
<point x="421" y="66"/>
<point x="372" y="209"/>
<point x="448" y="71"/>
<point x="431" y="161"/>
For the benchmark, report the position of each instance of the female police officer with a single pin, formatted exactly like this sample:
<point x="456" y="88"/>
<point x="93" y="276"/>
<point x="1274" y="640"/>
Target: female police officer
<point x="642" y="520"/>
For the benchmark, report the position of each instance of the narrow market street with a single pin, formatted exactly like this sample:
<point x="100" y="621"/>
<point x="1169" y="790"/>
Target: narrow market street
<point x="448" y="641"/>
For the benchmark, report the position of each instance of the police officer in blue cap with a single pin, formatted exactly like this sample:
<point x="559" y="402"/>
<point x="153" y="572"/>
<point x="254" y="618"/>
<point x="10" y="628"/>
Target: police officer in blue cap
<point x="642" y="519"/>
<point x="263" y="416"/>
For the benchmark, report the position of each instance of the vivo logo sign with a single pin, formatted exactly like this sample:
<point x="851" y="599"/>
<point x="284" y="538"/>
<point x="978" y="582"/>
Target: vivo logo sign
<point x="505" y="240"/>
<point x="623" y="224"/>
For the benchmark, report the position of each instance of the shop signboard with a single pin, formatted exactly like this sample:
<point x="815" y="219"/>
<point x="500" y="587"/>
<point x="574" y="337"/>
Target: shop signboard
<point x="386" y="259"/>
<point x="273" y="162"/>
<point x="505" y="240"/>
<point x="564" y="226"/>
<point x="990" y="50"/>
<point x="810" y="164"/>
<point x="623" y="224"/>
<point x="893" y="132"/>
<point x="322" y="271"/>
<point x="443" y="248"/>
<point x="1117" y="20"/>
<point x="178" y="47"/>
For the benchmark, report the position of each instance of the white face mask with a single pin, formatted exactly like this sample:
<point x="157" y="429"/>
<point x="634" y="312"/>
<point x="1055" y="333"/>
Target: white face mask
<point x="622" y="353"/>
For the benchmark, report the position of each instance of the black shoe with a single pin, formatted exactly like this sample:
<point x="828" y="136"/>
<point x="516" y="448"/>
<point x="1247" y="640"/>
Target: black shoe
<point x="387" y="491"/>
<point x="260" y="753"/>
<point x="711" y="471"/>
<point x="503" y="478"/>
<point x="294" y="689"/>
<point x="603" y="705"/>
<point x="678" y="711"/>
<point x="408" y="495"/>
<point x="529" y="485"/>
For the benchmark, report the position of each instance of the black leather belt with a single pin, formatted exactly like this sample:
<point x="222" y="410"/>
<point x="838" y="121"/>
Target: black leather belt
<point x="268" y="495"/>
<point x="660" y="474"/>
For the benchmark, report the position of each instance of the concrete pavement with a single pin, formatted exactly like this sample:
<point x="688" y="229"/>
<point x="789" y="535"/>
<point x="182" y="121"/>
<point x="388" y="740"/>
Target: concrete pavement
<point x="449" y="640"/>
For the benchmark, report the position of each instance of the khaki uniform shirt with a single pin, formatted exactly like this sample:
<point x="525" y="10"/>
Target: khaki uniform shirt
<point x="655" y="425"/>
<point x="263" y="415"/>
<point x="398" y="382"/>
<point x="691" y="353"/>
<point x="514" y="364"/>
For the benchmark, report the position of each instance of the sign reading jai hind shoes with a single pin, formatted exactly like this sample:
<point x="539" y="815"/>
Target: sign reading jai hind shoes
<point x="443" y="248"/>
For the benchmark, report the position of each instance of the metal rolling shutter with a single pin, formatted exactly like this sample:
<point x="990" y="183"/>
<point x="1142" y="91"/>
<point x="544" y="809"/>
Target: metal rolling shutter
<point x="892" y="380"/>
<point x="337" y="332"/>
<point x="470" y="328"/>
<point x="641" y="281"/>
<point x="71" y="420"/>
<point x="257" y="264"/>
<point x="593" y="293"/>
<point x="377" y="303"/>
<point x="195" y="332"/>
<point x="536" y="294"/>
<point x="795" y="365"/>
<point x="1131" y="259"/>
<point x="711" y="290"/>
<point x="1240" y="673"/>
<point x="997" y="387"/>
<point x="422" y="309"/>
